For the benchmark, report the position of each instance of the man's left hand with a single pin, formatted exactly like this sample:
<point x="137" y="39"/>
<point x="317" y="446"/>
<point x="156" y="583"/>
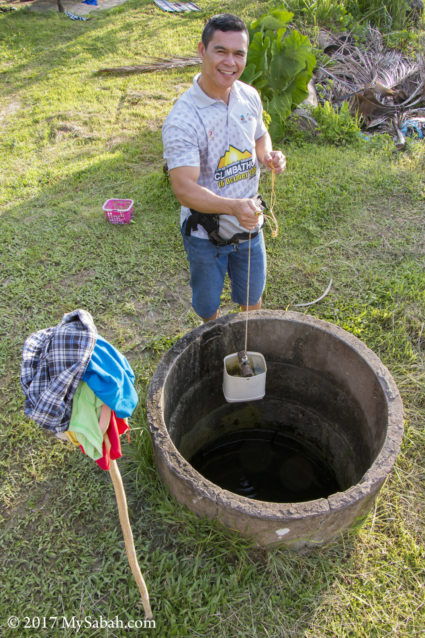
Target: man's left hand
<point x="276" y="160"/>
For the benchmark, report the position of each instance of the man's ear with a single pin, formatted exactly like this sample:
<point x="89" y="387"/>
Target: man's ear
<point x="201" y="50"/>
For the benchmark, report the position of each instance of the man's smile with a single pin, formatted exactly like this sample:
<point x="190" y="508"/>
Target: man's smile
<point x="228" y="49"/>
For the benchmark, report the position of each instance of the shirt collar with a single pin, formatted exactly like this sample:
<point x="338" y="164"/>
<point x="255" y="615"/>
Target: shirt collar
<point x="202" y="99"/>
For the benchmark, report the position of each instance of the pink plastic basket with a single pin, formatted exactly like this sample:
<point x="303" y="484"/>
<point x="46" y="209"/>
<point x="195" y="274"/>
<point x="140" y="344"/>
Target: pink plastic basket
<point x="118" y="211"/>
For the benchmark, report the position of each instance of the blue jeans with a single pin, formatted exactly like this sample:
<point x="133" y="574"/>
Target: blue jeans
<point x="208" y="267"/>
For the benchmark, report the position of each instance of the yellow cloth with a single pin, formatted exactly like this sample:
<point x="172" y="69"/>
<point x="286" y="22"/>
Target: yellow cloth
<point x="71" y="436"/>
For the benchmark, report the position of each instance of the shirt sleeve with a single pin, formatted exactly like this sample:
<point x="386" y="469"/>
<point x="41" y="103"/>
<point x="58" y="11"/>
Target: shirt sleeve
<point x="180" y="142"/>
<point x="261" y="127"/>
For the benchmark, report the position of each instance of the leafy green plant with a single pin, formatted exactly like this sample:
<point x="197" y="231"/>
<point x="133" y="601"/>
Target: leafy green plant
<point x="337" y="127"/>
<point x="321" y="13"/>
<point x="407" y="40"/>
<point x="280" y="65"/>
<point x="387" y="15"/>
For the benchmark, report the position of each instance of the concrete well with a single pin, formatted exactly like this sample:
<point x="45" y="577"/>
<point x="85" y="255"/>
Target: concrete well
<point x="324" y="387"/>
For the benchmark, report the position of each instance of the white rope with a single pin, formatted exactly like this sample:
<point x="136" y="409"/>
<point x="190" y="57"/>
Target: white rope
<point x="311" y="303"/>
<point x="247" y="292"/>
<point x="275" y="230"/>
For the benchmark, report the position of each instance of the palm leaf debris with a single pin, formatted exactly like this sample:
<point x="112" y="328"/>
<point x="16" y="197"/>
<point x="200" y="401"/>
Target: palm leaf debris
<point x="382" y="86"/>
<point x="158" y="64"/>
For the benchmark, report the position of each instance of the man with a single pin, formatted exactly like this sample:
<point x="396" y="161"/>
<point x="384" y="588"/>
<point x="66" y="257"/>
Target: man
<point x="214" y="139"/>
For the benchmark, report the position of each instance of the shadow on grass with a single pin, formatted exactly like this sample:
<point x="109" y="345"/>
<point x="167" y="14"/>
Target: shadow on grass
<point x="24" y="33"/>
<point x="61" y="253"/>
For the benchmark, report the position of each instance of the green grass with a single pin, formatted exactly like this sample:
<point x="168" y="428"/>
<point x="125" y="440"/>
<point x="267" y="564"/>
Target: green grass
<point x="69" y="140"/>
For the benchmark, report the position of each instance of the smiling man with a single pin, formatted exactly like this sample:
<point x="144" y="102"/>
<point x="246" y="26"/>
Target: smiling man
<point x="214" y="142"/>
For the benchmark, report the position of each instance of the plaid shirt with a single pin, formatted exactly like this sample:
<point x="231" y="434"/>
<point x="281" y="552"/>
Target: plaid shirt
<point x="53" y="362"/>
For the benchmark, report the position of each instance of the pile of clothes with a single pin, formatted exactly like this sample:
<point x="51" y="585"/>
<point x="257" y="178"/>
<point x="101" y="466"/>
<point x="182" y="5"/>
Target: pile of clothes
<point x="78" y="386"/>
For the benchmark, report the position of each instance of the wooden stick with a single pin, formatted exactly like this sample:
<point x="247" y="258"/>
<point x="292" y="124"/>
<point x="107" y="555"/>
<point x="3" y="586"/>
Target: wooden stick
<point x="128" y="534"/>
<point x="158" y="65"/>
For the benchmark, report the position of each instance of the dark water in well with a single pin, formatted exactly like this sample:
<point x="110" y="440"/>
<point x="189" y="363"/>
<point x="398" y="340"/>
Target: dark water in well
<point x="266" y="465"/>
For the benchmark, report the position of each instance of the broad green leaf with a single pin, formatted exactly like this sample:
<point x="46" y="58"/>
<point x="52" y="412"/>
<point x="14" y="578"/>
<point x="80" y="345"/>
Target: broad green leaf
<point x="251" y="74"/>
<point x="258" y="52"/>
<point x="279" y="65"/>
<point x="279" y="109"/>
<point x="280" y="106"/>
<point x="275" y="20"/>
<point x="294" y="57"/>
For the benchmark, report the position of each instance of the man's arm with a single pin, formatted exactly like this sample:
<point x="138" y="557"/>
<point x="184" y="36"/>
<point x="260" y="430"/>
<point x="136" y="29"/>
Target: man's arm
<point x="267" y="156"/>
<point x="184" y="182"/>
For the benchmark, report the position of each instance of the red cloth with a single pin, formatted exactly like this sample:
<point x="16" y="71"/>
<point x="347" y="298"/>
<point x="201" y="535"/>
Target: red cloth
<point x="116" y="427"/>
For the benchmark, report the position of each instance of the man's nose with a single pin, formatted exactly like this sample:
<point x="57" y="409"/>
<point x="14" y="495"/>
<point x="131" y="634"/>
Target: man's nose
<point x="229" y="59"/>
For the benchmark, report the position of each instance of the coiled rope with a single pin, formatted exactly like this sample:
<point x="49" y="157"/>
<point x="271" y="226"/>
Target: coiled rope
<point x="271" y="217"/>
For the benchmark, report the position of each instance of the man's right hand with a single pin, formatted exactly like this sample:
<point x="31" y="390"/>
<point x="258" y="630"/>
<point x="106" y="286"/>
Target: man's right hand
<point x="246" y="211"/>
<point x="191" y="194"/>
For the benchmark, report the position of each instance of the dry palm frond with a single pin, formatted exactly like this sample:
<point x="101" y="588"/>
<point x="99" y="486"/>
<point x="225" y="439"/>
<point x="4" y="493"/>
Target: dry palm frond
<point x="158" y="64"/>
<point x="378" y="83"/>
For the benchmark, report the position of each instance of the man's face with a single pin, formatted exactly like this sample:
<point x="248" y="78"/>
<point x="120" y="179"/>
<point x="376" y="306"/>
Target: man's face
<point x="223" y="61"/>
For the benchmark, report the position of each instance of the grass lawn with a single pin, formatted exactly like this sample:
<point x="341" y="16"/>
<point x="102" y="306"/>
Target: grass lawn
<point x="70" y="139"/>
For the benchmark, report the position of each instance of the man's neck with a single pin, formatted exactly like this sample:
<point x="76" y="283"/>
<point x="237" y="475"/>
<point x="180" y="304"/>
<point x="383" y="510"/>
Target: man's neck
<point x="214" y="93"/>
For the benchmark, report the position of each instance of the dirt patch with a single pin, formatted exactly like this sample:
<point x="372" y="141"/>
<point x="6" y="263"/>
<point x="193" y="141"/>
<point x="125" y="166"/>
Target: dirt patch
<point x="10" y="108"/>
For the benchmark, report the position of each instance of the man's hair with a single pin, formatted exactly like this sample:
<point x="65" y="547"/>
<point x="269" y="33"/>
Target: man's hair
<point x="222" y="22"/>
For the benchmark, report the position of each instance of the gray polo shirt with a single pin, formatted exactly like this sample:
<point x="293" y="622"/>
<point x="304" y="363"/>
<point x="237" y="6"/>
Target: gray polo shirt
<point x="220" y="139"/>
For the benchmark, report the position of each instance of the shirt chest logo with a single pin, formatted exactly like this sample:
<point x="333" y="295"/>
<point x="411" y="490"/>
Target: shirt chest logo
<point x="246" y="117"/>
<point x="233" y="166"/>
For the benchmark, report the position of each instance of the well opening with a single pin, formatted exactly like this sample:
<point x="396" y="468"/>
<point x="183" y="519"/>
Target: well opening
<point x="302" y="406"/>
<point x="327" y="431"/>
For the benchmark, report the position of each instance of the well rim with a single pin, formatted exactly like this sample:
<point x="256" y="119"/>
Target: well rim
<point x="167" y="453"/>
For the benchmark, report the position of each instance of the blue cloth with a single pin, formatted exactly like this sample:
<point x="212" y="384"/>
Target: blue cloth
<point x="111" y="378"/>
<point x="53" y="362"/>
<point x="412" y="128"/>
<point x="208" y="267"/>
